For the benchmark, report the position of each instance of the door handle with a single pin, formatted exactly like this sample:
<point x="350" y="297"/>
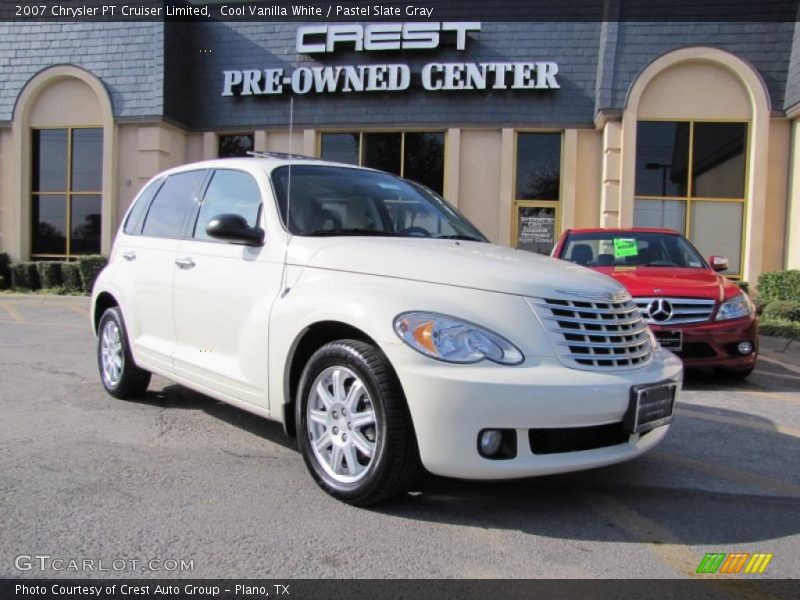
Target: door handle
<point x="184" y="263"/>
<point x="129" y="255"/>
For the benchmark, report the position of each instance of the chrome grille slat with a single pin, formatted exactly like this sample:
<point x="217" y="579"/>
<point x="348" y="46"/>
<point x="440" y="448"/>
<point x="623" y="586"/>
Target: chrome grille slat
<point x="596" y="331"/>
<point x="604" y="311"/>
<point x="684" y="310"/>
<point x="632" y="321"/>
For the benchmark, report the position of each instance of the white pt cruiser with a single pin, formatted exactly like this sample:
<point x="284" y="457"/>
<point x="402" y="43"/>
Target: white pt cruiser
<point x="378" y="325"/>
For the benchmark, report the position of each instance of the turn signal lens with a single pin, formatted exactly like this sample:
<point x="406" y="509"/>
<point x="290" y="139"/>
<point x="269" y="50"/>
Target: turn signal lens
<point x="453" y="340"/>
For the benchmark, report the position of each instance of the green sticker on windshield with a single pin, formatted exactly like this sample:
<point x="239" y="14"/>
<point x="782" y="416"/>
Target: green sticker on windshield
<point x="625" y="247"/>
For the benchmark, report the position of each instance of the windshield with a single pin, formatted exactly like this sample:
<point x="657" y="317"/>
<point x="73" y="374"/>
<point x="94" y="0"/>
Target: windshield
<point x="327" y="201"/>
<point x="631" y="248"/>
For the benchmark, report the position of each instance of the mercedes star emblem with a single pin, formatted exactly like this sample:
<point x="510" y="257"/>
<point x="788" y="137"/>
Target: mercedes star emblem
<point x="659" y="310"/>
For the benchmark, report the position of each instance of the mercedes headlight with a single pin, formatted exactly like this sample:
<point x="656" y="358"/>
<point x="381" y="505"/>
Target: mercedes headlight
<point x="453" y="340"/>
<point x="737" y="307"/>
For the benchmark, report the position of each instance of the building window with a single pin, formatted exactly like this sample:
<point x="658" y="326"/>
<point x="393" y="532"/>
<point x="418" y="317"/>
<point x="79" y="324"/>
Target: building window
<point x="232" y="146"/>
<point x="67" y="179"/>
<point x="691" y="176"/>
<point x="415" y="155"/>
<point x="537" y="191"/>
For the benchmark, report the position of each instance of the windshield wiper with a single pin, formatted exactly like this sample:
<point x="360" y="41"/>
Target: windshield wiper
<point x="347" y="231"/>
<point x="466" y="238"/>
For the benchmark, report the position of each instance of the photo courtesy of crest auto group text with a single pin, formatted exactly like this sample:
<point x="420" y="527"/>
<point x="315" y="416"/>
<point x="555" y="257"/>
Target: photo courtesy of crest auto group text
<point x="407" y="299"/>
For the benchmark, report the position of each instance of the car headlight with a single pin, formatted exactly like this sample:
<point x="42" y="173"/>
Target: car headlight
<point x="453" y="340"/>
<point x="737" y="307"/>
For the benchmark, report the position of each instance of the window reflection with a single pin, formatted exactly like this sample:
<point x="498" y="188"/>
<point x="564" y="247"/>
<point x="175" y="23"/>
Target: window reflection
<point x="231" y="146"/>
<point x="662" y="158"/>
<point x="718" y="160"/>
<point x="424" y="159"/>
<point x="85" y="223"/>
<point x="340" y="147"/>
<point x="538" y="166"/>
<point x="49" y="160"/>
<point x="382" y="151"/>
<point x="49" y="224"/>
<point x="87" y="160"/>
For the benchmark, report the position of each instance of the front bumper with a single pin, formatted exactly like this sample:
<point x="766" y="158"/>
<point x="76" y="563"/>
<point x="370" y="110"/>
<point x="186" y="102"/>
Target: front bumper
<point x="451" y="404"/>
<point x="713" y="344"/>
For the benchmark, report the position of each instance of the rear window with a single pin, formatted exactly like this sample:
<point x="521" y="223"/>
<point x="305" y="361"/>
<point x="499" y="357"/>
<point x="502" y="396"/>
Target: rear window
<point x="133" y="224"/>
<point x="172" y="204"/>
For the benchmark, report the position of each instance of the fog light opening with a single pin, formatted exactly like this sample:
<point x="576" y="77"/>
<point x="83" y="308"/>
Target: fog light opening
<point x="497" y="444"/>
<point x="744" y="348"/>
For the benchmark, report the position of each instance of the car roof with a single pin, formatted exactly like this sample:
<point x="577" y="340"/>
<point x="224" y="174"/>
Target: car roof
<point x="624" y="230"/>
<point x="268" y="162"/>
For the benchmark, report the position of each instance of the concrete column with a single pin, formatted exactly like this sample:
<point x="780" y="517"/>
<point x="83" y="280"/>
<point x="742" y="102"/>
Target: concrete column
<point x="792" y="258"/>
<point x="506" y="191"/>
<point x="260" y="141"/>
<point x="309" y="142"/>
<point x="569" y="179"/>
<point x="610" y="195"/>
<point x="452" y="165"/>
<point x="210" y="149"/>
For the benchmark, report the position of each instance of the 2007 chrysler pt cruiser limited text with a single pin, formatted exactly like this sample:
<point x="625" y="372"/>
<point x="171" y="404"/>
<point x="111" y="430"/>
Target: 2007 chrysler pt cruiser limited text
<point x="378" y="325"/>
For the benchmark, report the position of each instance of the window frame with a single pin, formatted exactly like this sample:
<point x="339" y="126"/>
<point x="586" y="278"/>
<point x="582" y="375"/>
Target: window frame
<point x="689" y="198"/>
<point x="194" y="214"/>
<point x="402" y="132"/>
<point x="67" y="193"/>
<point x="518" y="203"/>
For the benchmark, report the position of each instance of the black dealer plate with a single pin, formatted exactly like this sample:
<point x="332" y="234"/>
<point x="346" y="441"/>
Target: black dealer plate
<point x="650" y="406"/>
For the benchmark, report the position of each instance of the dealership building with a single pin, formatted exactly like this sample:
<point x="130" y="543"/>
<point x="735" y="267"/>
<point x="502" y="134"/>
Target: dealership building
<point x="529" y="128"/>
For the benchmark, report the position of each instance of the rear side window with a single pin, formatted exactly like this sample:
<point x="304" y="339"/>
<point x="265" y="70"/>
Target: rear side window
<point x="171" y="205"/>
<point x="232" y="192"/>
<point x="133" y="224"/>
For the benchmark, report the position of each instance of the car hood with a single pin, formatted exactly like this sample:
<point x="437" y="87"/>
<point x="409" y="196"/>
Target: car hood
<point x="458" y="263"/>
<point x="678" y="282"/>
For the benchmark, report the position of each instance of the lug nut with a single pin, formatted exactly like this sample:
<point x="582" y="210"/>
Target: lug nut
<point x="344" y="437"/>
<point x="335" y="415"/>
<point x="335" y="430"/>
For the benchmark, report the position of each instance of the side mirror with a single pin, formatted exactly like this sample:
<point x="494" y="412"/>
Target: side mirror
<point x="718" y="263"/>
<point x="234" y="229"/>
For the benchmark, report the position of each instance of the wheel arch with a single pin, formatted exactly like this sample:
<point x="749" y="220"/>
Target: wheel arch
<point x="104" y="301"/>
<point x="308" y="341"/>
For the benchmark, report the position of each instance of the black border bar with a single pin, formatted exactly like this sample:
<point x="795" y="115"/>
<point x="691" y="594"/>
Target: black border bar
<point x="401" y="10"/>
<point x="716" y="588"/>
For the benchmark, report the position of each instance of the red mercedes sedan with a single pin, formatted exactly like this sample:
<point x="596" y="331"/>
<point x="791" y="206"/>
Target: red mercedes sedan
<point x="694" y="311"/>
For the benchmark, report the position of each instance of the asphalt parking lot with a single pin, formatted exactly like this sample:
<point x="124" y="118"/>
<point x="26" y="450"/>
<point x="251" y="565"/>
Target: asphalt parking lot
<point x="178" y="476"/>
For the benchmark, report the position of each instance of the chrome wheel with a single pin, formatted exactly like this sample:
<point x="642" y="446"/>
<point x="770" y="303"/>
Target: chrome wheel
<point x="341" y="424"/>
<point x="112" y="355"/>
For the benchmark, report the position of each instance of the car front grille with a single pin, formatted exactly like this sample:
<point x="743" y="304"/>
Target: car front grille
<point x="675" y="311"/>
<point x="597" y="331"/>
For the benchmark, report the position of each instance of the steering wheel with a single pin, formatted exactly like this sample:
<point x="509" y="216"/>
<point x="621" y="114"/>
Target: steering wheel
<point x="415" y="231"/>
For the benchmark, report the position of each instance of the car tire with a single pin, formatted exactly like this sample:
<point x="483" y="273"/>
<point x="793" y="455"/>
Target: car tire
<point x="118" y="372"/>
<point x="734" y="373"/>
<point x="342" y="385"/>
